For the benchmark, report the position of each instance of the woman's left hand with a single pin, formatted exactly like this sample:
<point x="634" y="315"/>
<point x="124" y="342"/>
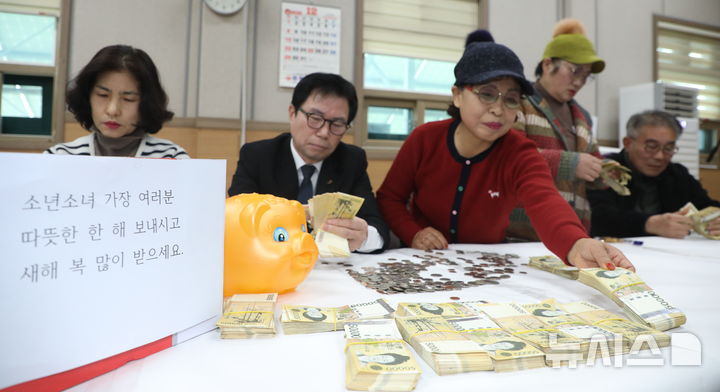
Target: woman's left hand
<point x="590" y="253"/>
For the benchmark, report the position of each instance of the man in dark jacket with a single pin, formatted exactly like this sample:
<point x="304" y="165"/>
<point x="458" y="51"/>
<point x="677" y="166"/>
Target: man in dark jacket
<point x="311" y="159"/>
<point x="659" y="189"/>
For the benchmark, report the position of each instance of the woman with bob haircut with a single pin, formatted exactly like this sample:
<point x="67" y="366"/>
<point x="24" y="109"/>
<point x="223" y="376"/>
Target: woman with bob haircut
<point x="118" y="97"/>
<point x="457" y="180"/>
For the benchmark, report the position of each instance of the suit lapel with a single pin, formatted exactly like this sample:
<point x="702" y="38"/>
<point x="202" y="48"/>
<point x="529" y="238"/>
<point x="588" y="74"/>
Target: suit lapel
<point x="329" y="178"/>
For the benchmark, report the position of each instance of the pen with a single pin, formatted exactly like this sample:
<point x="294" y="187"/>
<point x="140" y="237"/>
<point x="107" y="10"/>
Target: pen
<point x="615" y="239"/>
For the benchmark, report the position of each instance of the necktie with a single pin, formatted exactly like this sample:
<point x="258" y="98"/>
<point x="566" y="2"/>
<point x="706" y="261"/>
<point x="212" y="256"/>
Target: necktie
<point x="306" y="189"/>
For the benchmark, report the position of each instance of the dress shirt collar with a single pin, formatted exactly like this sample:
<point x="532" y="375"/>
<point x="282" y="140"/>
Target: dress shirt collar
<point x="299" y="162"/>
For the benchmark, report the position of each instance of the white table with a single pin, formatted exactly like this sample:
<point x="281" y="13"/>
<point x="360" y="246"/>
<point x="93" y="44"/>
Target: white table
<point x="686" y="272"/>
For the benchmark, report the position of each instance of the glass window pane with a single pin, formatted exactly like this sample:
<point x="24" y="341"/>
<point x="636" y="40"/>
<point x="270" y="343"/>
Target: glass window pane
<point x="435" y="115"/>
<point x="21" y="101"/>
<point x="408" y="74"/>
<point x="389" y="123"/>
<point x="27" y="38"/>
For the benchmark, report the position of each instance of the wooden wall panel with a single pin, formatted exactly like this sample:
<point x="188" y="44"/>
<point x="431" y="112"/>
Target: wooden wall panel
<point x="710" y="179"/>
<point x="210" y="143"/>
<point x="377" y="169"/>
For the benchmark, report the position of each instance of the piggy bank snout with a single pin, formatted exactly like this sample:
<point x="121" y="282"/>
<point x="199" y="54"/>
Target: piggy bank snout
<point x="305" y="251"/>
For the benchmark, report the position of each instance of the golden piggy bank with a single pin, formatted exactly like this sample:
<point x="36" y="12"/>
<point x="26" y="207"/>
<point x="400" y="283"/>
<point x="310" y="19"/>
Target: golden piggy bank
<point x="267" y="247"/>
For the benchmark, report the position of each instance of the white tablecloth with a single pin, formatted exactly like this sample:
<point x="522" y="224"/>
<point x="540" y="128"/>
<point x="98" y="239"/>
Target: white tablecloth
<point x="686" y="272"/>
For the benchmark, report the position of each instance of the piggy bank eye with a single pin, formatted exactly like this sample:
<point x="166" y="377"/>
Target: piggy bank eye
<point x="303" y="228"/>
<point x="280" y="235"/>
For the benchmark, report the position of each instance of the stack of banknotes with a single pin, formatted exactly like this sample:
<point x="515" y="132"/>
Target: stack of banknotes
<point x="248" y="316"/>
<point x="510" y="337"/>
<point x="298" y="319"/>
<point x="554" y="265"/>
<point x="701" y="219"/>
<point x="426" y="309"/>
<point x="521" y="323"/>
<point x="442" y="347"/>
<point x="629" y="331"/>
<point x="616" y="176"/>
<point x="328" y="206"/>
<point x="377" y="359"/>
<point x="507" y="352"/>
<point x="553" y="317"/>
<point x="639" y="301"/>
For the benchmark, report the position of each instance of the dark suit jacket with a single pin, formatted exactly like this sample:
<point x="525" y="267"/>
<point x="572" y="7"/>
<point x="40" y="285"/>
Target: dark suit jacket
<point x="614" y="215"/>
<point x="267" y="166"/>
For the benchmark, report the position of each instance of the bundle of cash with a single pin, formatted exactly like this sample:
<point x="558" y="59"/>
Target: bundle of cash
<point x="639" y="301"/>
<point x="508" y="353"/>
<point x="377" y="359"/>
<point x="701" y="219"/>
<point x="425" y="309"/>
<point x="629" y="331"/>
<point x="550" y="314"/>
<point x="327" y="206"/>
<point x="248" y="316"/>
<point x="310" y="319"/>
<point x="555" y="265"/>
<point x="616" y="176"/>
<point x="442" y="347"/>
<point x="554" y="343"/>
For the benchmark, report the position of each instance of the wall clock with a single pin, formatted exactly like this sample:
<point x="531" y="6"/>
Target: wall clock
<point x="225" y="7"/>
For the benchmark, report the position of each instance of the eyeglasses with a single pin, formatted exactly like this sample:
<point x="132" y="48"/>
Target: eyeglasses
<point x="489" y="95"/>
<point x="316" y="121"/>
<point x="652" y="148"/>
<point x="579" y="72"/>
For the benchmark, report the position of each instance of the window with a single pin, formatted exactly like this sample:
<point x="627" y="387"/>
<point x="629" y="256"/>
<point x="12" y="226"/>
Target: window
<point x="405" y="68"/>
<point x="26" y="105"/>
<point x="688" y="55"/>
<point x="32" y="74"/>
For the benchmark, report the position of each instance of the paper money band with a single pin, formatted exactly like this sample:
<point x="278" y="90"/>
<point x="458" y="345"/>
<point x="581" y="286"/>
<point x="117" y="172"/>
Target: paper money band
<point x="570" y="322"/>
<point x="609" y="319"/>
<point x="627" y="285"/>
<point x="248" y="311"/>
<point x="535" y="330"/>
<point x="480" y="329"/>
<point x="373" y="342"/>
<point x="431" y="331"/>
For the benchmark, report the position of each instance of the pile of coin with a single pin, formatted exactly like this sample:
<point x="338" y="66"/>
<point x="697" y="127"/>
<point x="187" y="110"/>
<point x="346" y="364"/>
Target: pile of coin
<point x="404" y="275"/>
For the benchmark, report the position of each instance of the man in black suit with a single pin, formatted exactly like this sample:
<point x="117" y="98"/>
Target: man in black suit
<point x="311" y="159"/>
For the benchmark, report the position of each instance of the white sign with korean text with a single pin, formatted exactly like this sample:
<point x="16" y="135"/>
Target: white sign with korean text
<point x="100" y="255"/>
<point x="309" y="41"/>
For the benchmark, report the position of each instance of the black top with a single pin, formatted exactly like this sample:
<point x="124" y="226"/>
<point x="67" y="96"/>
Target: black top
<point x="267" y="166"/>
<point x="622" y="216"/>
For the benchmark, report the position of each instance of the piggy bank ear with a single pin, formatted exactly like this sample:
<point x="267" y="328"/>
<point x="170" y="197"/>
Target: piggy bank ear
<point x="253" y="216"/>
<point x="245" y="212"/>
<point x="250" y="216"/>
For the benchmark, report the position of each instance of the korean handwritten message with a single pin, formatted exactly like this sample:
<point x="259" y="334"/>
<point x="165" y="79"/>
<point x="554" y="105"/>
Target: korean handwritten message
<point x="85" y="239"/>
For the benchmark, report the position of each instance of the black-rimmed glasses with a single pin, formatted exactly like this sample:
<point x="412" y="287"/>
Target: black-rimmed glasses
<point x="316" y="121"/>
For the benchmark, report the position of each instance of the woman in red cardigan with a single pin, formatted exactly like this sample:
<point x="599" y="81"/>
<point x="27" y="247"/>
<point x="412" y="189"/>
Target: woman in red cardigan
<point x="457" y="180"/>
